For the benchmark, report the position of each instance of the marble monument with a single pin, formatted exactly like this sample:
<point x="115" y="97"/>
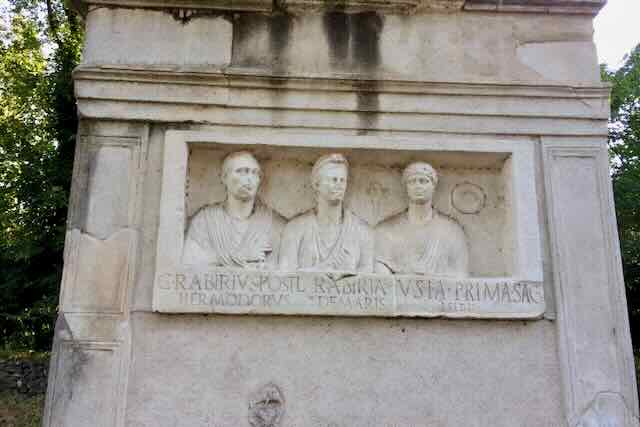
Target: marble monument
<point x="355" y="213"/>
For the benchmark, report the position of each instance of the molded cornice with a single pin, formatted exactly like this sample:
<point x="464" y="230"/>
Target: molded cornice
<point x="187" y="8"/>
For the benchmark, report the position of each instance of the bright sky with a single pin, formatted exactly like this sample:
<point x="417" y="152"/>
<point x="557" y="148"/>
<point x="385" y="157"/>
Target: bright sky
<point x="617" y="31"/>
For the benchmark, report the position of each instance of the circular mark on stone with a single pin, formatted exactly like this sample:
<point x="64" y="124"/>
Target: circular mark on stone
<point x="468" y="198"/>
<point x="266" y="407"/>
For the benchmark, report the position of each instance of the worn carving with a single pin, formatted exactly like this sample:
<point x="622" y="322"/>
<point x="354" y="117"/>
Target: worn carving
<point x="241" y="231"/>
<point x="607" y="410"/>
<point x="328" y="237"/>
<point x="236" y="291"/>
<point x="97" y="272"/>
<point x="421" y="240"/>
<point x="266" y="407"/>
<point x="468" y="198"/>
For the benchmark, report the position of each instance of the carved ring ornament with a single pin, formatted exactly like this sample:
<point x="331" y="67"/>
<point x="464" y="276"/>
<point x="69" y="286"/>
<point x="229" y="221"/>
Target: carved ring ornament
<point x="468" y="198"/>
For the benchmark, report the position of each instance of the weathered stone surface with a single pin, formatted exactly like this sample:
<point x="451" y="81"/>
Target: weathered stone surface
<point x="434" y="126"/>
<point x="335" y="294"/>
<point x="589" y="7"/>
<point x="344" y="371"/>
<point x="435" y="47"/>
<point x="138" y="37"/>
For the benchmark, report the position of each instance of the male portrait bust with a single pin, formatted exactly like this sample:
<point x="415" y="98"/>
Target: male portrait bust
<point x="241" y="231"/>
<point x="421" y="240"/>
<point x="328" y="237"/>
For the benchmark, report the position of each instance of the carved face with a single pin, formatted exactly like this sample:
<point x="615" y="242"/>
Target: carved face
<point x="242" y="178"/>
<point x="420" y="187"/>
<point x="331" y="184"/>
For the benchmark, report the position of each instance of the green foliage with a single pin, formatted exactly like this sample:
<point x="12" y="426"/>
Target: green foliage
<point x="38" y="122"/>
<point x="624" y="147"/>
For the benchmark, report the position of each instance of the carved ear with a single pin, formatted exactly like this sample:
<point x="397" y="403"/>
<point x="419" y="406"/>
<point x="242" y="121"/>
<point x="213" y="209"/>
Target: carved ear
<point x="223" y="178"/>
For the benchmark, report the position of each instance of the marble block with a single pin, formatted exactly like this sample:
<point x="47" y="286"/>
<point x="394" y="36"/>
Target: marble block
<point x="355" y="213"/>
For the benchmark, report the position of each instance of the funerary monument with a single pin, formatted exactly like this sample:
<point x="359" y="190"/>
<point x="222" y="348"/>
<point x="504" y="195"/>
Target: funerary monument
<point x="347" y="213"/>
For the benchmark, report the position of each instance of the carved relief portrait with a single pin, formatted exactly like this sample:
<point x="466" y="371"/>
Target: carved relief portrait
<point x="421" y="240"/>
<point x="241" y="231"/>
<point x="329" y="237"/>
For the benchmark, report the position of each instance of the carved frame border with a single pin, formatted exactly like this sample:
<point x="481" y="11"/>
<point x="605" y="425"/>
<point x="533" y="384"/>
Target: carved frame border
<point x="69" y="280"/>
<point x="577" y="376"/>
<point x="527" y="259"/>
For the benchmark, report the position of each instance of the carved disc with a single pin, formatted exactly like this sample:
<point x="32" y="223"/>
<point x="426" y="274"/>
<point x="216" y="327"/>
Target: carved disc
<point x="468" y="198"/>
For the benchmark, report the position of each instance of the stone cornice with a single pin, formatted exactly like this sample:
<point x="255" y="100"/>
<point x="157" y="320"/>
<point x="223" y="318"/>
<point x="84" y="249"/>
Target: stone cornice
<point x="590" y="7"/>
<point x="255" y="79"/>
<point x="187" y="8"/>
<point x="240" y="98"/>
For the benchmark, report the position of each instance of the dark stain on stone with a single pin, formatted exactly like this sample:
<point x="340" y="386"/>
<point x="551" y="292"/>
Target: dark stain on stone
<point x="366" y="29"/>
<point x="278" y="25"/>
<point x="354" y="44"/>
<point x="75" y="359"/>
<point x="337" y="30"/>
<point x="185" y="15"/>
<point x="244" y="24"/>
<point x="87" y="177"/>
<point x="368" y="105"/>
<point x="279" y="33"/>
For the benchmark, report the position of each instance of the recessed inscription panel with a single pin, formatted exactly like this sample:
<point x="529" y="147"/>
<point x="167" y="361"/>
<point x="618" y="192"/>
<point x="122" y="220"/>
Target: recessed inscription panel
<point x="237" y="291"/>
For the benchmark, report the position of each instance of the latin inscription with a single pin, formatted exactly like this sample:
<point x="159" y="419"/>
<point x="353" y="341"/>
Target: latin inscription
<point x="306" y="293"/>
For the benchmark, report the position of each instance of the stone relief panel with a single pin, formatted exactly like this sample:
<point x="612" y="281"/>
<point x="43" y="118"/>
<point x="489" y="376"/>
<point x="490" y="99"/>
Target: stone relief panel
<point x="240" y="231"/>
<point x="374" y="193"/>
<point x="421" y="240"/>
<point x="328" y="237"/>
<point x="265" y="229"/>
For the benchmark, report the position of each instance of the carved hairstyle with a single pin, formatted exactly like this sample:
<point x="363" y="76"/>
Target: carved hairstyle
<point x="226" y="163"/>
<point x="327" y="159"/>
<point x="420" y="168"/>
